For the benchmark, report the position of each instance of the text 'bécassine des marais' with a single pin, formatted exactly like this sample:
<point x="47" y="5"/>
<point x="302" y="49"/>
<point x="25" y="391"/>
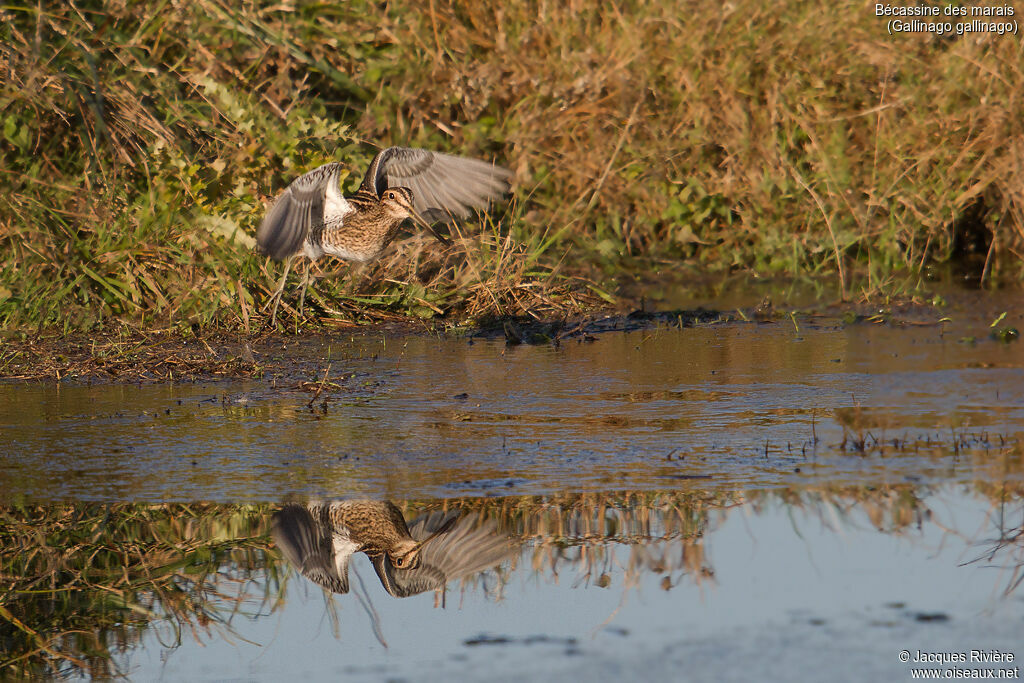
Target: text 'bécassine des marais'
<point x="882" y="10"/>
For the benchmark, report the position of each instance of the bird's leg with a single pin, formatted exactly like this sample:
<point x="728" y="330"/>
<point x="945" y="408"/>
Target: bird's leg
<point x="356" y="270"/>
<point x="276" y="296"/>
<point x="305" y="285"/>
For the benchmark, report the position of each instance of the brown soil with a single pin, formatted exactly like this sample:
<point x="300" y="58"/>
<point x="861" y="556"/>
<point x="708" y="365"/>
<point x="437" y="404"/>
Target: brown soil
<point x="134" y="356"/>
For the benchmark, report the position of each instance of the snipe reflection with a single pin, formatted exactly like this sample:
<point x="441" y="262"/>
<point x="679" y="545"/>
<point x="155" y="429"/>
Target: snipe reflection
<point x="89" y="589"/>
<point x="434" y="549"/>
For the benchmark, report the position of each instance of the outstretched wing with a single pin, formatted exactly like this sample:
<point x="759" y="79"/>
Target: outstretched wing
<point x="309" y="545"/>
<point x="299" y="209"/>
<point x="442" y="185"/>
<point x="460" y="548"/>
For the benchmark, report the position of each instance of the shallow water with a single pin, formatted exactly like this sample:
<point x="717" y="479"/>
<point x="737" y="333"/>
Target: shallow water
<point x="728" y="405"/>
<point x="734" y="500"/>
<point x="770" y="585"/>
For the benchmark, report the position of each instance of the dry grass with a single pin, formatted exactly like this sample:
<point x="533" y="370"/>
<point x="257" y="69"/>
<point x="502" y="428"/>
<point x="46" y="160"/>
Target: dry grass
<point x="704" y="133"/>
<point x="141" y="142"/>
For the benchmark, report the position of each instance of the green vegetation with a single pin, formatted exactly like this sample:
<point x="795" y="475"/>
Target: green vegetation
<point x="140" y="142"/>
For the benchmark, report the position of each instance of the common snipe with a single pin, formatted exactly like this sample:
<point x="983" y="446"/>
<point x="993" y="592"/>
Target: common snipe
<point x="312" y="217"/>
<point x="319" y="538"/>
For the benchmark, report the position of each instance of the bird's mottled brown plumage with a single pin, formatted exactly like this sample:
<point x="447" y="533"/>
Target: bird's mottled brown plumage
<point x="312" y="217"/>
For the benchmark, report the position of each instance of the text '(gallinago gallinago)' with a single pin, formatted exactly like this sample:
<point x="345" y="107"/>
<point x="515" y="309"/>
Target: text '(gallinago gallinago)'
<point x="312" y="217"/>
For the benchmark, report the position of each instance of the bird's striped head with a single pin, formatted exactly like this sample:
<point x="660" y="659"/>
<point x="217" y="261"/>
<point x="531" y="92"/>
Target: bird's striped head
<point x="405" y="554"/>
<point x="398" y="201"/>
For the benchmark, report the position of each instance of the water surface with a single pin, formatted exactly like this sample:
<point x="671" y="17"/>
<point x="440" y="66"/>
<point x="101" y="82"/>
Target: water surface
<point x="770" y="585"/>
<point x="730" y="405"/>
<point x="748" y="499"/>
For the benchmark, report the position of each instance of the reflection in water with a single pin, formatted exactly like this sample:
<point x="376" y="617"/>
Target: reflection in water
<point x="434" y="549"/>
<point x="728" y="406"/>
<point x="1005" y="549"/>
<point x="81" y="583"/>
<point x="82" y="586"/>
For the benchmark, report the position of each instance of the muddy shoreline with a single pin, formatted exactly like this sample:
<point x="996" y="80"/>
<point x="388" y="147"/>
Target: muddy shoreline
<point x="136" y="356"/>
<point x="132" y="355"/>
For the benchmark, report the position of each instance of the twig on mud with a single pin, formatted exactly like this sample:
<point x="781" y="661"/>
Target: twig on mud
<point x="320" y="387"/>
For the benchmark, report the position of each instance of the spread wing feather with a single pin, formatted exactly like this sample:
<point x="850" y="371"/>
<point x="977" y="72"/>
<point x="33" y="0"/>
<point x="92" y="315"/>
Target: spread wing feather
<point x="462" y="548"/>
<point x="298" y="209"/>
<point x="308" y="544"/>
<point x="443" y="185"/>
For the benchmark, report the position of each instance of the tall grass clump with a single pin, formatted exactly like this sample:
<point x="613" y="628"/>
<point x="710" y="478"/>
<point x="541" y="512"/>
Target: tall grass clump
<point x="140" y="143"/>
<point x="781" y="138"/>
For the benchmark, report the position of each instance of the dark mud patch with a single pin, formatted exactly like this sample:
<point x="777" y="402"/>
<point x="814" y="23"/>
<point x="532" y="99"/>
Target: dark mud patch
<point x="487" y="639"/>
<point x="127" y="358"/>
<point x="522" y="330"/>
<point x="164" y="357"/>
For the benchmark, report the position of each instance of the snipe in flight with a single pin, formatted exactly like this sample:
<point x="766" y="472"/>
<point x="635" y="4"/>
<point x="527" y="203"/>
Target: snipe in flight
<point x="312" y="217"/>
<point x="320" y="538"/>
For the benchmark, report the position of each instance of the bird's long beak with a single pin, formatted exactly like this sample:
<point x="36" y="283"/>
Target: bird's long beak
<point x="418" y="220"/>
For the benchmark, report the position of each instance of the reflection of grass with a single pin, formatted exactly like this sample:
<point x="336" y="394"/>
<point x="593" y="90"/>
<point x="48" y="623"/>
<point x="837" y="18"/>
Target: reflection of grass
<point x="664" y="531"/>
<point x="80" y="583"/>
<point x="1006" y="549"/>
<point x="890" y="509"/>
